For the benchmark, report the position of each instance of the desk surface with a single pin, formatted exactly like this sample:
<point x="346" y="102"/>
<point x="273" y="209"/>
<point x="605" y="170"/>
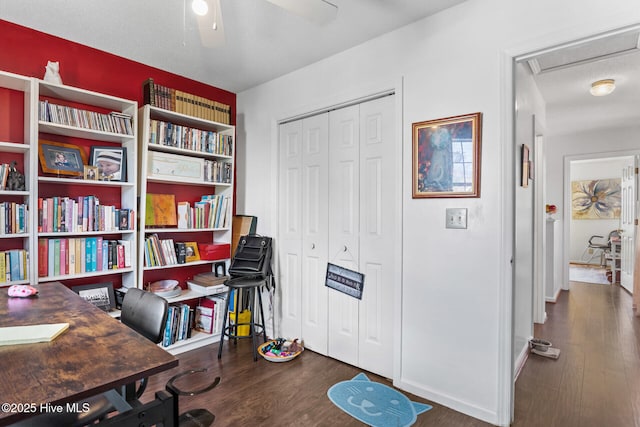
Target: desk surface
<point x="97" y="353"/>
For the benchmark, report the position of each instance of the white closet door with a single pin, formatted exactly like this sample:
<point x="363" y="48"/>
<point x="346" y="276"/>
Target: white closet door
<point x="344" y="203"/>
<point x="380" y="199"/>
<point x="289" y="243"/>
<point x="314" y="198"/>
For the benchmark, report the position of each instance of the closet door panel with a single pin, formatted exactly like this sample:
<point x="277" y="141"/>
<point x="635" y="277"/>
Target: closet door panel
<point x="344" y="229"/>
<point x="379" y="218"/>
<point x="290" y="225"/>
<point x="314" y="197"/>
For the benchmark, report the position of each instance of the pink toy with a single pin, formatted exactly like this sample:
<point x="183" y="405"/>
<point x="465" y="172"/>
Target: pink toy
<point x="22" y="291"/>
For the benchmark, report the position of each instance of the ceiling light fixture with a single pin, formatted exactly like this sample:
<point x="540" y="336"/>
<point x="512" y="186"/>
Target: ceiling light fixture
<point x="200" y="7"/>
<point x="602" y="87"/>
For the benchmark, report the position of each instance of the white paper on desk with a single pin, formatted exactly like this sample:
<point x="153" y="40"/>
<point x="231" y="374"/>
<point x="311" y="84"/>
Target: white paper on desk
<point x="12" y="335"/>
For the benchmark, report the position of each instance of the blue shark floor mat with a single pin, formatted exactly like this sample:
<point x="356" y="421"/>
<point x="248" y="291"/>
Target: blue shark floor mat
<point x="375" y="404"/>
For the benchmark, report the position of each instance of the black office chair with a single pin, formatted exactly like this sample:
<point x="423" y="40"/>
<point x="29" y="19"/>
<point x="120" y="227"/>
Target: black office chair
<point x="145" y="313"/>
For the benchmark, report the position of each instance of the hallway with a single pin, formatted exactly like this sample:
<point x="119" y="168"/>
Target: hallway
<point x="596" y="380"/>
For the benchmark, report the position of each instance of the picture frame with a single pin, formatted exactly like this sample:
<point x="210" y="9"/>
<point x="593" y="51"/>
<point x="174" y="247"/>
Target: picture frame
<point x="192" y="251"/>
<point x="61" y="158"/>
<point x="524" y="173"/>
<point x="111" y="162"/>
<point x="446" y="157"/>
<point x="90" y="173"/>
<point x="101" y="295"/>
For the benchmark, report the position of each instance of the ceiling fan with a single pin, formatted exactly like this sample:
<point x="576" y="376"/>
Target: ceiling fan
<point x="211" y="27"/>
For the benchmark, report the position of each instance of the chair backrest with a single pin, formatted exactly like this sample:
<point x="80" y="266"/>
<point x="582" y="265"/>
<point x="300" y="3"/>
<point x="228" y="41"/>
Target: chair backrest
<point x="252" y="257"/>
<point x="145" y="313"/>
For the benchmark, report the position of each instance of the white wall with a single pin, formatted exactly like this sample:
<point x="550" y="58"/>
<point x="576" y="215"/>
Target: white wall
<point x="581" y="230"/>
<point x="456" y="288"/>
<point x="560" y="150"/>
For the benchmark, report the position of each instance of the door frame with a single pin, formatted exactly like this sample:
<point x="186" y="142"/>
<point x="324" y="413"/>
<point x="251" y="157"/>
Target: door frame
<point x="566" y="220"/>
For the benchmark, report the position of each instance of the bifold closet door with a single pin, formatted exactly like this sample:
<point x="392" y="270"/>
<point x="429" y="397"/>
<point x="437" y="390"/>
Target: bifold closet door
<point x="302" y="246"/>
<point x="344" y="228"/>
<point x="380" y="219"/>
<point x="289" y="243"/>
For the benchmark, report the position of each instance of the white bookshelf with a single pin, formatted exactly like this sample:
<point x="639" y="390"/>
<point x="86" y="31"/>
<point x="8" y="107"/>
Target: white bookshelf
<point x="50" y="185"/>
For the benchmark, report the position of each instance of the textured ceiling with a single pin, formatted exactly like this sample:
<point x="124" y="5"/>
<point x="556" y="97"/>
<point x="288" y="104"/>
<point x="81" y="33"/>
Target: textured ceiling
<point x="262" y="41"/>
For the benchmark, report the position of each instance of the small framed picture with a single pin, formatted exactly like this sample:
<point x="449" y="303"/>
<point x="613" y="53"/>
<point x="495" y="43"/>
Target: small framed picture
<point x="61" y="158"/>
<point x="99" y="294"/>
<point x="111" y="163"/>
<point x="192" y="251"/>
<point x="90" y="172"/>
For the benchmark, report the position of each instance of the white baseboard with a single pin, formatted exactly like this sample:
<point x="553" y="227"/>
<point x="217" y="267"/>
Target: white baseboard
<point x="466" y="408"/>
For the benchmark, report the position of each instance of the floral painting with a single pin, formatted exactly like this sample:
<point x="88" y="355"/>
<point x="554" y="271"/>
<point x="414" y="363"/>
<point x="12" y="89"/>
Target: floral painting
<point x="595" y="199"/>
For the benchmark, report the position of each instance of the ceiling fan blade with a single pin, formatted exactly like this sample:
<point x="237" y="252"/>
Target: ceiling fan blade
<point x="209" y="36"/>
<point x="318" y="11"/>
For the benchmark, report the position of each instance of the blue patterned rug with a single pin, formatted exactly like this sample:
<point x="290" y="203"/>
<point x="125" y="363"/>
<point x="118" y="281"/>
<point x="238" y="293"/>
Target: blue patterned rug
<point x="375" y="404"/>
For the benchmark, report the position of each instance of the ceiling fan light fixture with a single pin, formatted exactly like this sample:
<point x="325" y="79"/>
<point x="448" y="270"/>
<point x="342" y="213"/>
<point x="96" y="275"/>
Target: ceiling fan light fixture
<point x="602" y="87"/>
<point x="199" y="7"/>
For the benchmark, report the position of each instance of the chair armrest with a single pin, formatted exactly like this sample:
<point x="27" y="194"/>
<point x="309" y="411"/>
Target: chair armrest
<point x="171" y="387"/>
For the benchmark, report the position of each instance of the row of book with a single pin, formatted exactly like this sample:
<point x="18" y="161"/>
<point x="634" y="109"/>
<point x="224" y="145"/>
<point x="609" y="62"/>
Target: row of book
<point x="160" y="252"/>
<point x="114" y="122"/>
<point x="59" y="257"/>
<point x="14" y="265"/>
<point x="209" y="314"/>
<point x="212" y="211"/>
<point x="14" y="218"/>
<point x="174" y="135"/>
<point x="80" y="214"/>
<point x="180" y="321"/>
<point x="215" y="171"/>
<point x="181" y="102"/>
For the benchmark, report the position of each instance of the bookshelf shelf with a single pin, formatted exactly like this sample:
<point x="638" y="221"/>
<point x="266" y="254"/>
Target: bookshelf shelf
<point x="183" y="181"/>
<point x="184" y="265"/>
<point x="14" y="235"/>
<point x="66" y="181"/>
<point x="86" y="233"/>
<point x="76" y="132"/>
<point x="184" y="151"/>
<point x="13" y="193"/>
<point x="184" y="230"/>
<point x="12" y="147"/>
<point x="198" y="339"/>
<point x="85" y="275"/>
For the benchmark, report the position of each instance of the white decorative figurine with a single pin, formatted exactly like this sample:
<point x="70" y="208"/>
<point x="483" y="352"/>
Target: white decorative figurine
<point x="52" y="73"/>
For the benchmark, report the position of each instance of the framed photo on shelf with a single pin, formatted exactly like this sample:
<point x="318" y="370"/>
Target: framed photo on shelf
<point x="192" y="251"/>
<point x="99" y="294"/>
<point x="61" y="158"/>
<point x="446" y="157"/>
<point x="111" y="163"/>
<point x="90" y="173"/>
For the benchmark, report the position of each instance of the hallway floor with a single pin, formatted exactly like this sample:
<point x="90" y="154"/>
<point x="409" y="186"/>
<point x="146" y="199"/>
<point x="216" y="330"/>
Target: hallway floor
<point x="596" y="380"/>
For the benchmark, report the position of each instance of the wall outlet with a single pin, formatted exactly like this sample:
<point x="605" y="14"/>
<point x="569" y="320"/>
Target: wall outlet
<point x="456" y="218"/>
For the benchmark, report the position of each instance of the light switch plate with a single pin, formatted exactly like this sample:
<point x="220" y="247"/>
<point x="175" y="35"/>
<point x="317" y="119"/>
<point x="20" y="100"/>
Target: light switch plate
<point x="456" y="218"/>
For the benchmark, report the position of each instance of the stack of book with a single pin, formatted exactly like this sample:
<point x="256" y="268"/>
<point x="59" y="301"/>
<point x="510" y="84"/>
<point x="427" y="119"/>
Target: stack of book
<point x="171" y="99"/>
<point x="208" y="283"/>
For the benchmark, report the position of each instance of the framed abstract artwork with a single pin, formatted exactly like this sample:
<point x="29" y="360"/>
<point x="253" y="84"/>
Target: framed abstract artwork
<point x="446" y="157"/>
<point x="596" y="199"/>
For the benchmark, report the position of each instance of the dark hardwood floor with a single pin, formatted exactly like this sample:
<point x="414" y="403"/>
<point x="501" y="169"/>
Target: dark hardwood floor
<point x="595" y="382"/>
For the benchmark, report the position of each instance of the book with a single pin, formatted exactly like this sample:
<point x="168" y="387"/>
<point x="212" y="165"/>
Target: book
<point x="211" y="289"/>
<point x="160" y="210"/>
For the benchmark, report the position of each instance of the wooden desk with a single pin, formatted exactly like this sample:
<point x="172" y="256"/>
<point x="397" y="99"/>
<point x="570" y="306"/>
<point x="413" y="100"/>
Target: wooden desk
<point x="96" y="354"/>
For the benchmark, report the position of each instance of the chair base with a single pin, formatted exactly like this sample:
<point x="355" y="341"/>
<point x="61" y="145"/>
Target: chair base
<point x="196" y="418"/>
